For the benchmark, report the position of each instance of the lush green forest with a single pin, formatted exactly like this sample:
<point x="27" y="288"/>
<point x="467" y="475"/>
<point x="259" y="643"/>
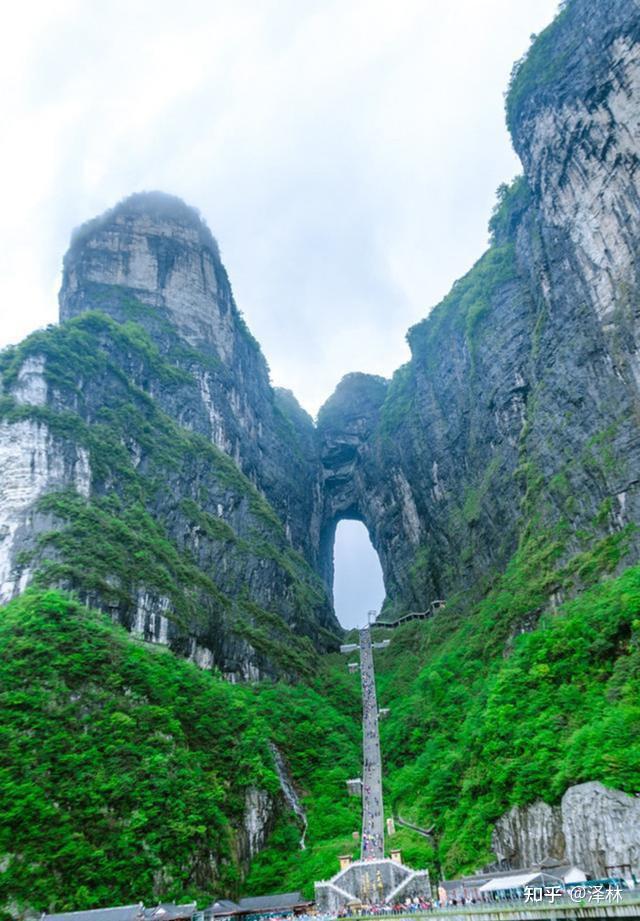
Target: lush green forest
<point x="485" y="716"/>
<point x="124" y="770"/>
<point x="508" y="700"/>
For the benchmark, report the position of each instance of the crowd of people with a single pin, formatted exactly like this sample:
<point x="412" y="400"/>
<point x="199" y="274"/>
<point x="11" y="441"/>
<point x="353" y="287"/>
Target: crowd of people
<point x="399" y="908"/>
<point x="320" y="916"/>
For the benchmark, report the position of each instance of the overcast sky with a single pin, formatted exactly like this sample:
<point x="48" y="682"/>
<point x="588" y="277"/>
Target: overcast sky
<point x="357" y="585"/>
<point x="345" y="154"/>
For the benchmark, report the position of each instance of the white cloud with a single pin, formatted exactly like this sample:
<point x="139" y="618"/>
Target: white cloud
<point x="345" y="154"/>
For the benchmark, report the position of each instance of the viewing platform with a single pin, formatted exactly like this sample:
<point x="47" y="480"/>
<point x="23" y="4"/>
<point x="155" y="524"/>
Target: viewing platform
<point x="412" y="615"/>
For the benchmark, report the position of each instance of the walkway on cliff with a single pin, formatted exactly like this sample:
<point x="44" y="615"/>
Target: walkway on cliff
<point x="372" y="811"/>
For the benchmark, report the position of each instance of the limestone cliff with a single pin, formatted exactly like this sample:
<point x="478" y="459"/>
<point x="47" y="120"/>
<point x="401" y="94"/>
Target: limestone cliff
<point x="520" y="403"/>
<point x="518" y="413"/>
<point x="152" y="259"/>
<point x="593" y="827"/>
<point x="146" y="461"/>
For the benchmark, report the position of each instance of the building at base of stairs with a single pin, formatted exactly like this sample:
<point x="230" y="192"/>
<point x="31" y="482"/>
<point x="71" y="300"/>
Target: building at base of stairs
<point x="385" y="881"/>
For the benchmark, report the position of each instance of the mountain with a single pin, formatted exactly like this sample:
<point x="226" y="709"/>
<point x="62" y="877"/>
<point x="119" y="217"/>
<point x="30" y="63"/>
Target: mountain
<point x="498" y="470"/>
<point x="147" y="462"/>
<point x="148" y="468"/>
<point x="517" y="414"/>
<point x="516" y="418"/>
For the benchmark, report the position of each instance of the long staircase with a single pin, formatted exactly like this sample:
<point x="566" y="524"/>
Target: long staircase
<point x="372" y="841"/>
<point x="374" y="879"/>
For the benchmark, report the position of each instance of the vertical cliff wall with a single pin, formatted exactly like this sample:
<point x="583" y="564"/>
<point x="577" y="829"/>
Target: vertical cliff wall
<point x="517" y="418"/>
<point x="153" y="260"/>
<point x="518" y="413"/>
<point x="593" y="827"/>
<point x="147" y="462"/>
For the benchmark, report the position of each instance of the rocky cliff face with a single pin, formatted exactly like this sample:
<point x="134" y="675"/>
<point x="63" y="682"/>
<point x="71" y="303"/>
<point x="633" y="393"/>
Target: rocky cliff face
<point x="154" y="260"/>
<point x="593" y="827"/>
<point x="519" y="405"/>
<point x="575" y="126"/>
<point x="258" y="820"/>
<point x="147" y="462"/>
<point x="520" y="402"/>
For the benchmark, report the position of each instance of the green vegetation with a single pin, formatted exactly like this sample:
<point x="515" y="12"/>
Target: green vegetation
<point x="127" y="760"/>
<point x="458" y="317"/>
<point x="114" y="763"/>
<point x="356" y="395"/>
<point x="545" y="60"/>
<point x="319" y="730"/>
<point x="466" y="305"/>
<point x="508" y="695"/>
<point x="124" y="770"/>
<point x="474" y="496"/>
<point x="485" y="716"/>
<point x="127" y="536"/>
<point x="78" y="356"/>
<point x="512" y="199"/>
<point x="81" y="348"/>
<point x="269" y="635"/>
<point x="398" y="402"/>
<point x="112" y="547"/>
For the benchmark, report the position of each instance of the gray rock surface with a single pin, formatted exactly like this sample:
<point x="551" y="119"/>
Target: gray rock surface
<point x="519" y="404"/>
<point x="594" y="827"/>
<point x="153" y="393"/>
<point x="602" y="829"/>
<point x="152" y="259"/>
<point x="525" y="837"/>
<point x="260" y="810"/>
<point x="520" y="400"/>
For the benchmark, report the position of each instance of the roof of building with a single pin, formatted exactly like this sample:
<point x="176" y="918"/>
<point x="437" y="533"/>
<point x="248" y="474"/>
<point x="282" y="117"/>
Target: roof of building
<point x="224" y="906"/>
<point x="475" y="880"/>
<point x="282" y="901"/>
<point x="119" y="913"/>
<point x="519" y="880"/>
<point x="272" y="902"/>
<point x="169" y="912"/>
<point x="478" y="879"/>
<point x="515" y="881"/>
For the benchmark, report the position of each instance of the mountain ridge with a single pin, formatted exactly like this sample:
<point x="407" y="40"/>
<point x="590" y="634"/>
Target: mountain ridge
<point x="148" y="466"/>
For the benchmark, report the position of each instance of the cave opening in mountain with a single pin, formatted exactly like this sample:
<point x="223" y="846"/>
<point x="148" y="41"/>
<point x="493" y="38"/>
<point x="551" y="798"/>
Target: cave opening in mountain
<point x="357" y="582"/>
